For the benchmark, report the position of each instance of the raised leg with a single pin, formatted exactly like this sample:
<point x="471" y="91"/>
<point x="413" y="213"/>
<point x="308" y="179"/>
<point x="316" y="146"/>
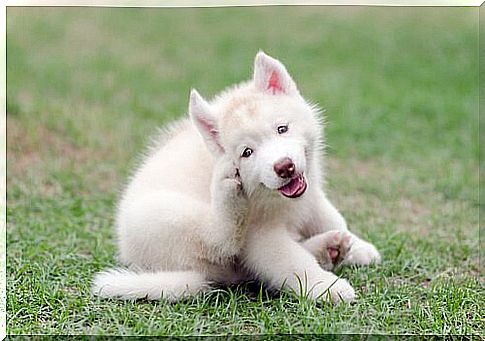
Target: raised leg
<point x="170" y="230"/>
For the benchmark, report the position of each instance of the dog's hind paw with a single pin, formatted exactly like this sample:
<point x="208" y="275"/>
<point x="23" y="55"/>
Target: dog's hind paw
<point x="329" y="248"/>
<point x="336" y="245"/>
<point x="362" y="253"/>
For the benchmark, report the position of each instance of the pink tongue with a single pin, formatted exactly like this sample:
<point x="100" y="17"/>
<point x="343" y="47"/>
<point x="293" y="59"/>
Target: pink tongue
<point x="292" y="187"/>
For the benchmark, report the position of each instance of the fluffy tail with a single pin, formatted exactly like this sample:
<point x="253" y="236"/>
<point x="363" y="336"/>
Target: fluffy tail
<point x="125" y="284"/>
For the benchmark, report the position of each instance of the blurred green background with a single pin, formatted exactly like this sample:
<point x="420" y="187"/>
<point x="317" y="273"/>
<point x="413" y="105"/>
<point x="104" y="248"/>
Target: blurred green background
<point x="88" y="87"/>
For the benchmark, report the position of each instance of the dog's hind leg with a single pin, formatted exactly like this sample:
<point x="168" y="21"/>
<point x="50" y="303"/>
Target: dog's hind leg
<point x="329" y="248"/>
<point x="325" y="218"/>
<point x="170" y="239"/>
<point x="171" y="231"/>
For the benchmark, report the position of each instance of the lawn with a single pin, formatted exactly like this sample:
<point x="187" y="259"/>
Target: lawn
<point x="88" y="87"/>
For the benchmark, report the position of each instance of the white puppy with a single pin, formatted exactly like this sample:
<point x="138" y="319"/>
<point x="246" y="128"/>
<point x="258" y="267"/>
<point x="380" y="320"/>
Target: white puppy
<point x="235" y="193"/>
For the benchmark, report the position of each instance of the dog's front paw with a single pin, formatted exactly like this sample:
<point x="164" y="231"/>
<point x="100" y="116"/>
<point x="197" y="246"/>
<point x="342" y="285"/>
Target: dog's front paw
<point x="229" y="200"/>
<point x="226" y="181"/>
<point x="232" y="184"/>
<point x="338" y="290"/>
<point x="362" y="253"/>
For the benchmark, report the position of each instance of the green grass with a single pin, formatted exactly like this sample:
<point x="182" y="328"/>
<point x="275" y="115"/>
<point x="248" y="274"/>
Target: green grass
<point x="86" y="87"/>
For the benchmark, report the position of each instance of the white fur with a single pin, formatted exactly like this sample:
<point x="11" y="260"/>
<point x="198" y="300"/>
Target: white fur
<point x="129" y="285"/>
<point x="196" y="212"/>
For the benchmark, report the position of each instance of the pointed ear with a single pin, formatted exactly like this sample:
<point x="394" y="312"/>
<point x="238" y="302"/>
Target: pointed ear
<point x="270" y="76"/>
<point x="200" y="112"/>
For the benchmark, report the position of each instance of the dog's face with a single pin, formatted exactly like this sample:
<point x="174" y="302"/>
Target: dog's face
<point x="266" y="128"/>
<point x="270" y="139"/>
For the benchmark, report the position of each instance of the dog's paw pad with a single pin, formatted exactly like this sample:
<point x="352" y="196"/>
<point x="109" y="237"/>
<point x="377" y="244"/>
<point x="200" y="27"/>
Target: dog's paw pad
<point x="333" y="252"/>
<point x="335" y="245"/>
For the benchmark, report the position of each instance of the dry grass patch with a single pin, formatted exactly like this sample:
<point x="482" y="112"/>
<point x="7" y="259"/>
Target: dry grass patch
<point x="35" y="155"/>
<point x="388" y="199"/>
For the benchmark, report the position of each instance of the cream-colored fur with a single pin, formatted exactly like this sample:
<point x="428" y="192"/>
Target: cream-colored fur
<point x="198" y="211"/>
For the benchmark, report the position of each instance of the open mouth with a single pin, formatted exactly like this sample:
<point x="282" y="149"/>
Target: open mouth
<point x="295" y="188"/>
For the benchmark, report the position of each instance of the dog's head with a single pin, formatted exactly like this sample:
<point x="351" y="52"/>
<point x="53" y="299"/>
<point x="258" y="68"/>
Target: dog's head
<point x="266" y="127"/>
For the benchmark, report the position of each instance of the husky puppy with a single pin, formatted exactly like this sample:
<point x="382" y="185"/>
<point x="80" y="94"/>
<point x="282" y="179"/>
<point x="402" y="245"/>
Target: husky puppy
<point x="232" y="194"/>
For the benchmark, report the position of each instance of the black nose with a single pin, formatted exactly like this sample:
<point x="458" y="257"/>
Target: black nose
<point x="284" y="168"/>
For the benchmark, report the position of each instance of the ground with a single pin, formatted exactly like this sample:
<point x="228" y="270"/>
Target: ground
<point x="88" y="87"/>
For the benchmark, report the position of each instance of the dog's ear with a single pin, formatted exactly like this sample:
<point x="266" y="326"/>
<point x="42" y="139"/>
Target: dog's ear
<point x="201" y="114"/>
<point x="270" y="76"/>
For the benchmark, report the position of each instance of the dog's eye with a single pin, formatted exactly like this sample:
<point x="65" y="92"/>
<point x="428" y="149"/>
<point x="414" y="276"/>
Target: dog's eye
<point x="247" y="152"/>
<point x="282" y="129"/>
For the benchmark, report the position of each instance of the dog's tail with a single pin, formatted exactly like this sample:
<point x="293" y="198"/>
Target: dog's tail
<point x="126" y="284"/>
